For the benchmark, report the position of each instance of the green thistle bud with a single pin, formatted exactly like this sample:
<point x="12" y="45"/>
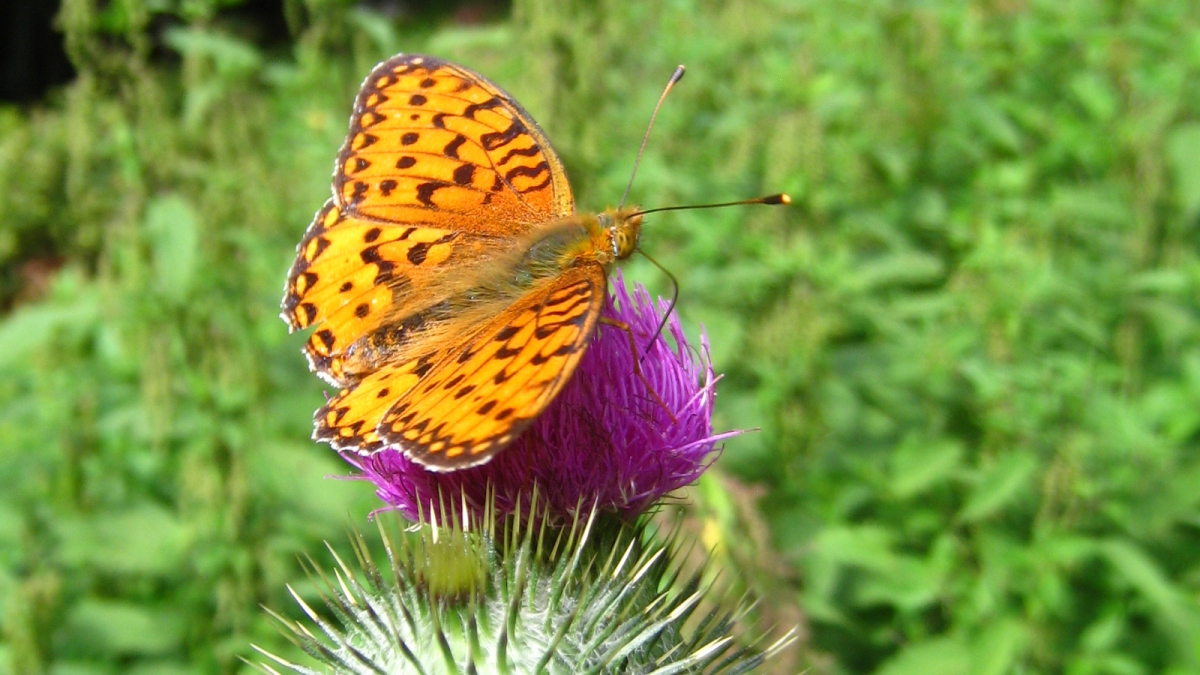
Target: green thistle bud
<point x="598" y="596"/>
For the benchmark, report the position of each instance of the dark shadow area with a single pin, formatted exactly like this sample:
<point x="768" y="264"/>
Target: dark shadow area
<point x="32" y="57"/>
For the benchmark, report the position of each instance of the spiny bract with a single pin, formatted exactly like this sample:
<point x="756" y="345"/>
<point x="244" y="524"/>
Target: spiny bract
<point x="598" y="597"/>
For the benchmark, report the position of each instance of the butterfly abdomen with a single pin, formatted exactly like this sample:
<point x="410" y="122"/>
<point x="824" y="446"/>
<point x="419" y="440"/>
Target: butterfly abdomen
<point x="395" y="341"/>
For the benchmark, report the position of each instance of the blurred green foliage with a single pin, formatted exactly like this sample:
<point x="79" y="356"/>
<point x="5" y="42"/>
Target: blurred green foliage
<point x="972" y="345"/>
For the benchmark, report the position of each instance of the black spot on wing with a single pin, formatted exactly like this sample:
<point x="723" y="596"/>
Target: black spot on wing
<point x="564" y="350"/>
<point x="507" y="353"/>
<point x="322" y="244"/>
<point x="531" y="151"/>
<point x="451" y="149"/>
<point x="469" y="111"/>
<point x="464" y="174"/>
<point x="425" y="193"/>
<point x="496" y="139"/>
<point x="417" y="254"/>
<point x="310" y="311"/>
<point x="527" y="171"/>
<point x="539" y="186"/>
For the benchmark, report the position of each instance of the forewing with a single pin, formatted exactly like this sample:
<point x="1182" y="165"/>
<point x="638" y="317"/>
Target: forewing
<point x="353" y="277"/>
<point x="433" y="143"/>
<point x="485" y="392"/>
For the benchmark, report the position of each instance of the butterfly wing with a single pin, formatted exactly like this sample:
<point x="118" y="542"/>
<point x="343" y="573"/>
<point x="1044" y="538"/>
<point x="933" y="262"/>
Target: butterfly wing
<point x="440" y="168"/>
<point x="349" y="421"/>
<point x="488" y="389"/>
<point x="432" y="143"/>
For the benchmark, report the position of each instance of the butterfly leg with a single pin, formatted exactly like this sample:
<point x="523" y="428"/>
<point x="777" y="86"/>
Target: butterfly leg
<point x="637" y="368"/>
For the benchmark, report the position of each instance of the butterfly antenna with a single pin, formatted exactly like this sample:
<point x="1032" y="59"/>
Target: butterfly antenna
<point x="670" y="308"/>
<point x="779" y="199"/>
<point x="675" y="77"/>
<point x="772" y="200"/>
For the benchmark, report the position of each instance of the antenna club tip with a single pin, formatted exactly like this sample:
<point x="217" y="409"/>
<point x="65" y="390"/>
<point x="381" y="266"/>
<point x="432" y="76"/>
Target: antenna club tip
<point x="678" y="74"/>
<point x="778" y="199"/>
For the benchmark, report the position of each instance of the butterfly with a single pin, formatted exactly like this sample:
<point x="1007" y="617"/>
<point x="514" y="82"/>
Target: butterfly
<point x="451" y="285"/>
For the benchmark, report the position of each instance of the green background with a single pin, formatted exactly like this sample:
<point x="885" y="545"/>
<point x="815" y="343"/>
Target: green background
<point x="972" y="345"/>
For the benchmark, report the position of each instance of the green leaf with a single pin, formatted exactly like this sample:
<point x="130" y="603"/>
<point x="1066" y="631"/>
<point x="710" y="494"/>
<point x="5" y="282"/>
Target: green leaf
<point x="897" y="269"/>
<point x="381" y="29"/>
<point x="918" y="465"/>
<point x="174" y="232"/>
<point x="33" y="326"/>
<point x="999" y="486"/>
<point x="144" y="540"/>
<point x="232" y="56"/>
<point x="162" y="667"/>
<point x="298" y="475"/>
<point x="117" y="628"/>
<point x="998" y="648"/>
<point x="939" y="656"/>
<point x="1096" y="95"/>
<point x="907" y="583"/>
<point x="79" y="667"/>
<point x="1183" y="156"/>
<point x="1178" y="614"/>
<point x="997" y="126"/>
<point x="867" y="546"/>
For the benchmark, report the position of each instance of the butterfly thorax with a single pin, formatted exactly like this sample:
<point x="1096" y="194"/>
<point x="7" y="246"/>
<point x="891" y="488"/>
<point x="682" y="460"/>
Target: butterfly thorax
<point x="620" y="229"/>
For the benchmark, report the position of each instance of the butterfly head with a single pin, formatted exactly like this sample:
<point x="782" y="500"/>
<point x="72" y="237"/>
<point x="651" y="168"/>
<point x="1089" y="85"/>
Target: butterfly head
<point x="622" y="226"/>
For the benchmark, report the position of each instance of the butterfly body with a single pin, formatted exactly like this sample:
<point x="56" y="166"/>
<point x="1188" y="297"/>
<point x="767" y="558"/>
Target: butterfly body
<point x="452" y="285"/>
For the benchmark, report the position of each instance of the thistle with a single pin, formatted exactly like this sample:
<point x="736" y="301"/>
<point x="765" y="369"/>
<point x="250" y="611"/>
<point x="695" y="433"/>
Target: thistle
<point x="612" y="439"/>
<point x="546" y="564"/>
<point x="598" y="596"/>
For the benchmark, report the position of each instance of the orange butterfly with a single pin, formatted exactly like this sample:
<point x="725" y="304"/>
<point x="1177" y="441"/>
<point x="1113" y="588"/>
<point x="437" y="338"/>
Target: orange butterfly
<point x="452" y="285"/>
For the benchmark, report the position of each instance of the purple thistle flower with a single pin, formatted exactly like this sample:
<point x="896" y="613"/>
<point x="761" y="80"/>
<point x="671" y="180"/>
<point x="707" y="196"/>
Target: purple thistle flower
<point x="604" y="441"/>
